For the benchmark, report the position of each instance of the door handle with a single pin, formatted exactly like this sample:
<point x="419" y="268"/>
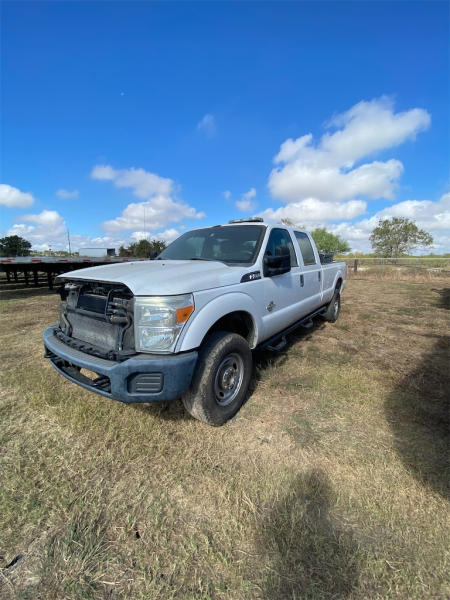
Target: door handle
<point x="320" y="275"/>
<point x="270" y="306"/>
<point x="302" y="281"/>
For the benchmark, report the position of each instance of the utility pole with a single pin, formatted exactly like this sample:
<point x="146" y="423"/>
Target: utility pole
<point x="145" y="230"/>
<point x="68" y="239"/>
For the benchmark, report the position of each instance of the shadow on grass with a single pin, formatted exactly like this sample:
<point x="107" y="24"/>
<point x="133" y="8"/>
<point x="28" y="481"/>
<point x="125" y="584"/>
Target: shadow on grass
<point x="308" y="555"/>
<point x="166" y="411"/>
<point x="418" y="411"/>
<point x="444" y="300"/>
<point x="264" y="358"/>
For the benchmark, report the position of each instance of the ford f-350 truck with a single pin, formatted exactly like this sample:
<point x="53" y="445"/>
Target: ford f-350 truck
<point x="185" y="323"/>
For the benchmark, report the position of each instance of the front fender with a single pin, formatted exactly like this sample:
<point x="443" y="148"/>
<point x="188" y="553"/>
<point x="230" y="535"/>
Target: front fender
<point x="214" y="310"/>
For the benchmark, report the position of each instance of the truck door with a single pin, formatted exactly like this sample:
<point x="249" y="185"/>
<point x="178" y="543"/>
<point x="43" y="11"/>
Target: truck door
<point x="282" y="292"/>
<point x="310" y="274"/>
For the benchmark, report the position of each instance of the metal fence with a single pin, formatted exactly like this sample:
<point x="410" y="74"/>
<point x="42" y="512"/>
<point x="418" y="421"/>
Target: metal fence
<point x="398" y="268"/>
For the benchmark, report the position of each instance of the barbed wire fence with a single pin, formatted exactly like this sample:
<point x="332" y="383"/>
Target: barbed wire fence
<point x="402" y="269"/>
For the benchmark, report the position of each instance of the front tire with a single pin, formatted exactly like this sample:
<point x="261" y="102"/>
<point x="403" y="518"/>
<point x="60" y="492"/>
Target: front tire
<point x="221" y="378"/>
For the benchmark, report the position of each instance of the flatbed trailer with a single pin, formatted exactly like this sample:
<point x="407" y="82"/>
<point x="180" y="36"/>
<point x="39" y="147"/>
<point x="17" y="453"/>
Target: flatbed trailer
<point x="31" y="269"/>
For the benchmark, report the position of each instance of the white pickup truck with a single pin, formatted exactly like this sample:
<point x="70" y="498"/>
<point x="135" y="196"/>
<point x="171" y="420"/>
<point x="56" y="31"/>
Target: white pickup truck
<point x="185" y="323"/>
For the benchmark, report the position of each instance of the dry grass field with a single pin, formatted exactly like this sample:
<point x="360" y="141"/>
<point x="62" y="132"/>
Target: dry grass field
<point x="331" y="482"/>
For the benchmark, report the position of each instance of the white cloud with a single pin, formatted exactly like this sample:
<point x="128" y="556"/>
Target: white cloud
<point x="246" y="204"/>
<point x="168" y="236"/>
<point x="207" y="124"/>
<point x="433" y="216"/>
<point x="369" y="127"/>
<point x="227" y="194"/>
<point x="313" y="211"/>
<point x="79" y="242"/>
<point x="12" y="197"/>
<point x="67" y="194"/>
<point x="46" y="218"/>
<point x="47" y="229"/>
<point x="21" y="230"/>
<point x="250" y="194"/>
<point x="325" y="171"/>
<point x="143" y="183"/>
<point x="427" y="214"/>
<point x="103" y="172"/>
<point x="298" y="181"/>
<point x="156" y="213"/>
<point x="140" y="235"/>
<point x="104" y="241"/>
<point x="160" y="206"/>
<point x="356" y="234"/>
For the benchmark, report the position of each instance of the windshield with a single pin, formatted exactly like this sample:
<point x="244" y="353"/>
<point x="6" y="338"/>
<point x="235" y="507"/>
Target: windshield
<point x="231" y="244"/>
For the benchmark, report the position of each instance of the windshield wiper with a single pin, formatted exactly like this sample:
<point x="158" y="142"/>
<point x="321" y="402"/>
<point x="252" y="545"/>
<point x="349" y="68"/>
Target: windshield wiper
<point x="201" y="258"/>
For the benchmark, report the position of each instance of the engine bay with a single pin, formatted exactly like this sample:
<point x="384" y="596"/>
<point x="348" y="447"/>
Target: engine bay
<point x="97" y="318"/>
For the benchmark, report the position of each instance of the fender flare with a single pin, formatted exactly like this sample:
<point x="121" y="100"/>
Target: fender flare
<point x="209" y="314"/>
<point x="339" y="275"/>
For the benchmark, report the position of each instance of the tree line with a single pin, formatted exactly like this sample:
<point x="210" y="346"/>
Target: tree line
<point x="391" y="238"/>
<point x="143" y="248"/>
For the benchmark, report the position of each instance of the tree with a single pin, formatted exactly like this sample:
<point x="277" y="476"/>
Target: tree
<point x="158" y="245"/>
<point x="14" y="245"/>
<point x="143" y="248"/>
<point x="328" y="242"/>
<point x="397" y="236"/>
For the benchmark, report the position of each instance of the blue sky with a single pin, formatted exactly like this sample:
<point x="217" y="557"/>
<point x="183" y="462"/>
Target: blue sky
<point x="122" y="120"/>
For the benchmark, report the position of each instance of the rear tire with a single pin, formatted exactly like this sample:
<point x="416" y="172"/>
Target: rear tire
<point x="334" y="308"/>
<point x="221" y="379"/>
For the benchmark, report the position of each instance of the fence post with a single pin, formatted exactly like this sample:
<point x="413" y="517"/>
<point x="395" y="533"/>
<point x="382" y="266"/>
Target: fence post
<point x="355" y="266"/>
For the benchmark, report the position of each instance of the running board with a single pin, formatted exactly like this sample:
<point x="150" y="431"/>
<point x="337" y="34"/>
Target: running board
<point x="278" y="341"/>
<point x="281" y="344"/>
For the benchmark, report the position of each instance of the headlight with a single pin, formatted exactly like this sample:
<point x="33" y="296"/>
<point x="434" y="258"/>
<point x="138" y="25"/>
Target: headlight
<point x="158" y="321"/>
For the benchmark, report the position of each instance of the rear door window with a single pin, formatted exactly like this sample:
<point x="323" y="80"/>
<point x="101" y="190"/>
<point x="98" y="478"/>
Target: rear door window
<point x="305" y="248"/>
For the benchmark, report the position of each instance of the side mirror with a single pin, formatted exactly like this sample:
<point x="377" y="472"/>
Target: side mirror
<point x="278" y="264"/>
<point x="153" y="255"/>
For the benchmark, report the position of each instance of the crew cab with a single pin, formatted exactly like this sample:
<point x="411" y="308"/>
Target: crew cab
<point x="185" y="323"/>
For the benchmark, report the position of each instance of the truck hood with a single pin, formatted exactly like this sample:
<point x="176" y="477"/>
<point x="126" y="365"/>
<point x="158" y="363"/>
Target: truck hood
<point x="160" y="278"/>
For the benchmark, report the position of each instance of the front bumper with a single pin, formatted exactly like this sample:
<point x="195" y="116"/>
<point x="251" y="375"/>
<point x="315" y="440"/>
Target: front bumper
<point x="142" y="378"/>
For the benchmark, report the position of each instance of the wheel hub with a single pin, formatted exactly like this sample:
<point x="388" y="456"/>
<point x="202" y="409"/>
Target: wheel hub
<point x="228" y="379"/>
